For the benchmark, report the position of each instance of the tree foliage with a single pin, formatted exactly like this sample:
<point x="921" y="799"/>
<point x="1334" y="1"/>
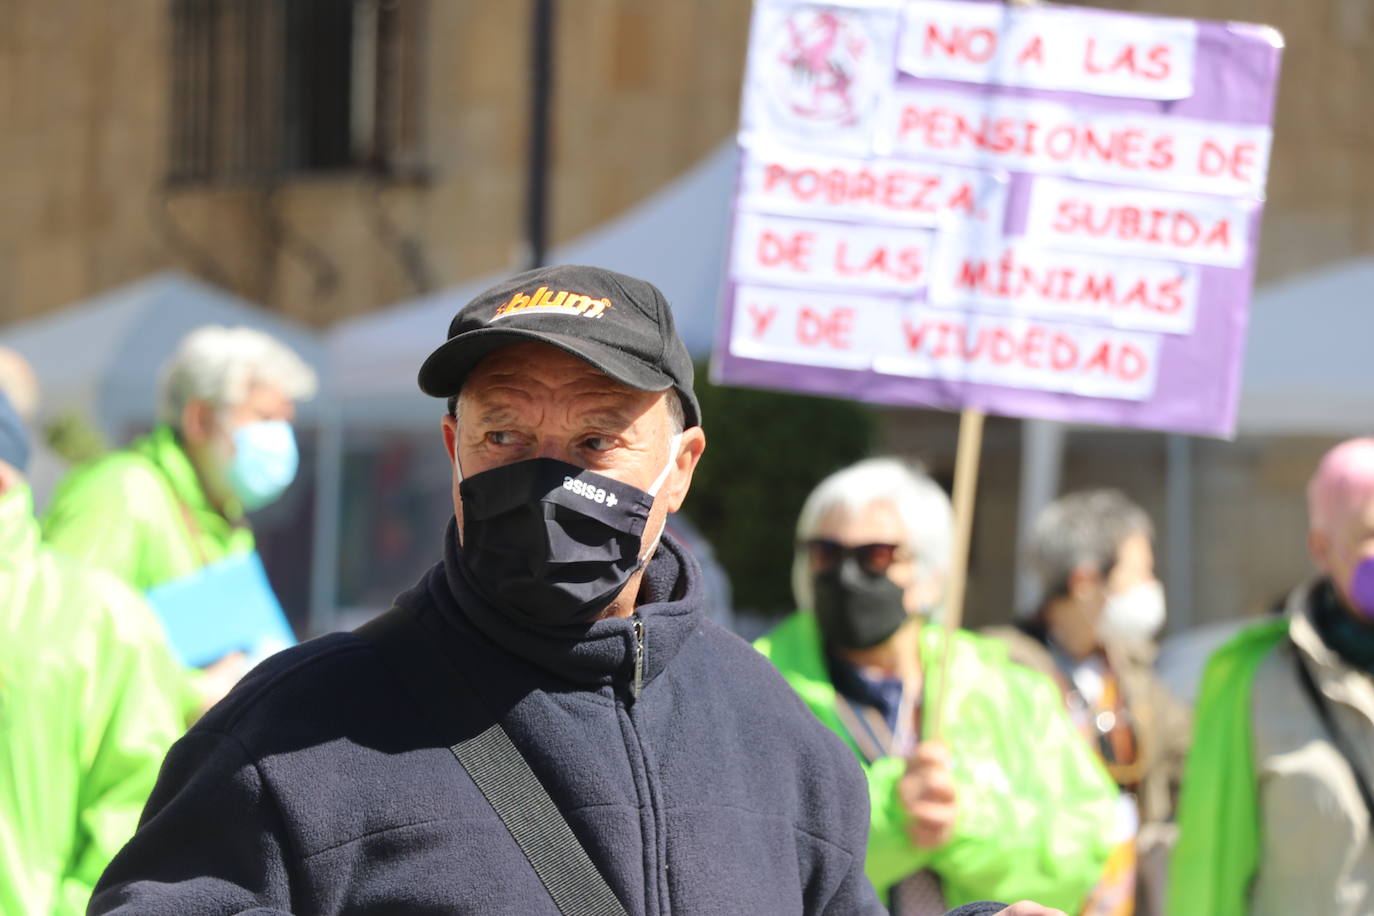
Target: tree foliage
<point x="765" y="451"/>
<point x="75" y="438"/>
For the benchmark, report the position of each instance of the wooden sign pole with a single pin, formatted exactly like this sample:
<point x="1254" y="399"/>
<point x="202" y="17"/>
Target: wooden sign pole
<point x="966" y="463"/>
<point x="965" y="486"/>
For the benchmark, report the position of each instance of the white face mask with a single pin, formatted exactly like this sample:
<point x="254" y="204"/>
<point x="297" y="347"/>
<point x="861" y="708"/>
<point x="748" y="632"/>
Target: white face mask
<point x="1135" y="614"/>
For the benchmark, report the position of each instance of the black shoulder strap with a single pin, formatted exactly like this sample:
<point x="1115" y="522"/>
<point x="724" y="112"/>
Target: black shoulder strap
<point x="496" y="766"/>
<point x="1338" y="736"/>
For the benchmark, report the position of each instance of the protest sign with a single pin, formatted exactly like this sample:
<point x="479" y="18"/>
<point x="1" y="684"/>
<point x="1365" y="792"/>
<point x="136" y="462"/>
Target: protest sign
<point x="1037" y="211"/>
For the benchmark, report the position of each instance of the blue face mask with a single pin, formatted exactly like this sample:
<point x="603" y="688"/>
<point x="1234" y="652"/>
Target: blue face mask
<point x="264" y="464"/>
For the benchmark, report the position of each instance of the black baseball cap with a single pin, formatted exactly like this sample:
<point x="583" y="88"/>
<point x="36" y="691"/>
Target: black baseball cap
<point x="618" y="324"/>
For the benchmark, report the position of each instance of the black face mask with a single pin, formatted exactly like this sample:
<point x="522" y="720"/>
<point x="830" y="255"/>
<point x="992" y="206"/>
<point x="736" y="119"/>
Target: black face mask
<point x="549" y="541"/>
<point x="856" y="610"/>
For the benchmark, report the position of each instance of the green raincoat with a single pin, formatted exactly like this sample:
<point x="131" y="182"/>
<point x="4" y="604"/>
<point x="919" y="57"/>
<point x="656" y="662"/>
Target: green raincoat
<point x="142" y="514"/>
<point x="84" y="717"/>
<point x="1037" y="811"/>
<point x="1218" y="811"/>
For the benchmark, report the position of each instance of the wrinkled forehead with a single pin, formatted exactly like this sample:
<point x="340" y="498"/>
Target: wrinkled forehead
<point x="533" y="373"/>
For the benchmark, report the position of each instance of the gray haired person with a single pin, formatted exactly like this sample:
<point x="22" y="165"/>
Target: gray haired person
<point x="174" y="501"/>
<point x="1091" y="632"/>
<point x="172" y="505"/>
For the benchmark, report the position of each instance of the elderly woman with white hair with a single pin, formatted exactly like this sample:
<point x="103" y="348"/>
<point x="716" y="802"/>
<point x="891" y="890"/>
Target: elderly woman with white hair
<point x="172" y="504"/>
<point x="1007" y="802"/>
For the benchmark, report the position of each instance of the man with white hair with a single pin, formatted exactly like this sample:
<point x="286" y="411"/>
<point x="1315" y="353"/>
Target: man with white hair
<point x="173" y="502"/>
<point x="1092" y="633"/>
<point x="168" y="511"/>
<point x="1277" y="809"/>
<point x="1007" y="802"/>
<point x="84" y="718"/>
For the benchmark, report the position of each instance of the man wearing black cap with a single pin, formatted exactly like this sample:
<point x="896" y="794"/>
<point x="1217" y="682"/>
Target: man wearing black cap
<point x="371" y="771"/>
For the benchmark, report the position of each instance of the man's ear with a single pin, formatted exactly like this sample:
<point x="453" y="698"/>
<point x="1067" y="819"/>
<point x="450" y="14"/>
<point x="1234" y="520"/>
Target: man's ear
<point x="197" y="421"/>
<point x="1319" y="549"/>
<point x="689" y="450"/>
<point x="449" y="428"/>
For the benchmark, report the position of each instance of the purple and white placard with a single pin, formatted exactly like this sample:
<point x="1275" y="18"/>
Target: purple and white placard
<point x="1043" y="211"/>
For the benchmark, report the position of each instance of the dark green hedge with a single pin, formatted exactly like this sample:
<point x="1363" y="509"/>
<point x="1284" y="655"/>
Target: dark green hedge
<point x="764" y="452"/>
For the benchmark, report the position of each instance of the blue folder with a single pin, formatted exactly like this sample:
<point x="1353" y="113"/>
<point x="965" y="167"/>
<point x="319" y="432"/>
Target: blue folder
<point x="225" y="607"/>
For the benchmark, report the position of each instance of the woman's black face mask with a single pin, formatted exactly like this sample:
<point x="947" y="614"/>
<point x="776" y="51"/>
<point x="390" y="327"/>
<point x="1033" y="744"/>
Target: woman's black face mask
<point x="551" y="543"/>
<point x="856" y="609"/>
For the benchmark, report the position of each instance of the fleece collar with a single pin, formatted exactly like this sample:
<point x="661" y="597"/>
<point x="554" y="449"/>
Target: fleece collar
<point x="595" y="654"/>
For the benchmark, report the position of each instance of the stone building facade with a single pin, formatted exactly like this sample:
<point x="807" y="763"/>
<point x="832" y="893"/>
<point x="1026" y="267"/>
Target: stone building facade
<point x="94" y="102"/>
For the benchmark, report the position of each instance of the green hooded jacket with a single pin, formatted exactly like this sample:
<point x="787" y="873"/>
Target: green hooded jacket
<point x="142" y="514"/>
<point x="84" y="717"/>
<point x="1037" y="811"/>
<point x="1218" y="811"/>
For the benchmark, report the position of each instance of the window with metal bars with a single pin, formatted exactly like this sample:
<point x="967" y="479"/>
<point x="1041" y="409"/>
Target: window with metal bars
<point x="264" y="90"/>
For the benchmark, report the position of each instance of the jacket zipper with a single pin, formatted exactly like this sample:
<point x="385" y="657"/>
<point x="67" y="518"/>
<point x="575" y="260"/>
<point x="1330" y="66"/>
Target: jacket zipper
<point x="640" y="651"/>
<point x="652" y="880"/>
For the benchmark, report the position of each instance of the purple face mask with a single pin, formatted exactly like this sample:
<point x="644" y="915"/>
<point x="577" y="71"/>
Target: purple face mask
<point x="1362" y="587"/>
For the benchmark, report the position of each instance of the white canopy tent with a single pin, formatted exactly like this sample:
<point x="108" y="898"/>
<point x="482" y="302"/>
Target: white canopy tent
<point x="102" y="356"/>
<point x="1309" y="369"/>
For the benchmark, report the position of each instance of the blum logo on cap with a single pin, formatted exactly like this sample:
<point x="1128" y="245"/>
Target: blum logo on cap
<point x="545" y="300"/>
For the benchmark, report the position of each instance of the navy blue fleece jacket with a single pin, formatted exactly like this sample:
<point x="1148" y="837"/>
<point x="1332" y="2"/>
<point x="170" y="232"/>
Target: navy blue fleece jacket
<point x="318" y="787"/>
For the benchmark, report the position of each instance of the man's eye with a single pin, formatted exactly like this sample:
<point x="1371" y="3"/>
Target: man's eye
<point x="598" y="443"/>
<point x="500" y="437"/>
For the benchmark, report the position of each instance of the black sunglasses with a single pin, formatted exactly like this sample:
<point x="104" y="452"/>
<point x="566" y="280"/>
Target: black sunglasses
<point x="873" y="559"/>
